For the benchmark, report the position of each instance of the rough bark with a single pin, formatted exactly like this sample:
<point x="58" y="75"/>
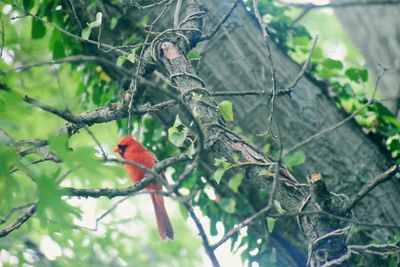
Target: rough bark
<point x="236" y="60"/>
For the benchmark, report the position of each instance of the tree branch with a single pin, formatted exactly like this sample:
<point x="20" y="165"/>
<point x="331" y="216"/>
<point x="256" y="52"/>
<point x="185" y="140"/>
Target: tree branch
<point x="19" y="221"/>
<point x="216" y="28"/>
<point x="379" y="179"/>
<point x="341" y="4"/>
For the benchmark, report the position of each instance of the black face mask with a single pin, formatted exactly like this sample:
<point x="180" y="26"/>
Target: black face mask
<point x="122" y="149"/>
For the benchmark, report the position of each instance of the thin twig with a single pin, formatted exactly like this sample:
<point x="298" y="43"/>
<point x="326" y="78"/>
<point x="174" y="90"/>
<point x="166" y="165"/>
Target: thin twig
<point x="177" y="11"/>
<point x="103" y="153"/>
<point x="379" y="179"/>
<point x="19" y="221"/>
<point x="77" y="37"/>
<point x="65" y="114"/>
<point x="216" y="28"/>
<point x="273" y="71"/>
<point x="209" y="249"/>
<point x="305" y="65"/>
<point x="134" y="80"/>
<point x="75" y="15"/>
<point x="280" y="92"/>
<point x="72" y="59"/>
<point x="328" y="130"/>
<point x="151" y="176"/>
<point x="134" y="3"/>
<point x="2" y="37"/>
<point x="11" y="212"/>
<point x="341" y="218"/>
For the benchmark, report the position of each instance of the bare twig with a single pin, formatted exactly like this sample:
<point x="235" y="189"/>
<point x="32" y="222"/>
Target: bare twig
<point x="377" y="249"/>
<point x="238" y="227"/>
<point x="216" y="28"/>
<point x="77" y="37"/>
<point x="341" y="218"/>
<point x="381" y="178"/>
<point x="328" y="130"/>
<point x="151" y="176"/>
<point x="75" y="15"/>
<point x="2" y="37"/>
<point x="19" y="221"/>
<point x="72" y="59"/>
<point x="134" y="80"/>
<point x="134" y="3"/>
<point x="103" y="153"/>
<point x="65" y="114"/>
<point x="11" y="212"/>
<point x="305" y="65"/>
<point x="268" y="93"/>
<point x="273" y="71"/>
<point x="177" y="11"/>
<point x="209" y="249"/>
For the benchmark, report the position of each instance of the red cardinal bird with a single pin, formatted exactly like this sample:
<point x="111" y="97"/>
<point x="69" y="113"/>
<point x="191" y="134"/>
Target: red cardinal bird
<point x="132" y="150"/>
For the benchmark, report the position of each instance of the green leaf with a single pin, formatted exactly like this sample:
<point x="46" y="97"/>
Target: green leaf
<point x="228" y="205"/>
<point x="213" y="229"/>
<point x="177" y="133"/>
<point x="120" y="61"/>
<point x="357" y="74"/>
<point x="132" y="57"/>
<point x="28" y="4"/>
<point x="58" y="49"/>
<point x="218" y="174"/>
<point x="266" y="148"/>
<point x="183" y="211"/>
<point x="59" y="144"/>
<point x="333" y="64"/>
<point x="38" y="29"/>
<point x="177" y="121"/>
<point x="176" y="137"/>
<point x="50" y="204"/>
<point x="278" y="207"/>
<point x="267" y="172"/>
<point x="226" y="110"/>
<point x="218" y="162"/>
<point x="191" y="150"/>
<point x="197" y="97"/>
<point x="294" y="159"/>
<point x="86" y="33"/>
<point x="193" y="55"/>
<point x="235" y="182"/>
<point x="97" y="22"/>
<point x="114" y="22"/>
<point x="301" y="41"/>
<point x="271" y="224"/>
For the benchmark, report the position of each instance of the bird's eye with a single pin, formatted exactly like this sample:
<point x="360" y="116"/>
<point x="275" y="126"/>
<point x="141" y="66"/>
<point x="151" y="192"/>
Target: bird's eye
<point x="122" y="147"/>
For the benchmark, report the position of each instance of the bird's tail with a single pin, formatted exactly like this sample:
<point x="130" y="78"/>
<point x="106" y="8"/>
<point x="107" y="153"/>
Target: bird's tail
<point x="163" y="223"/>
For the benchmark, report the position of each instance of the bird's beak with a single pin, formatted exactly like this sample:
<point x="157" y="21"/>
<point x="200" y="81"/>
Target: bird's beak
<point x="117" y="150"/>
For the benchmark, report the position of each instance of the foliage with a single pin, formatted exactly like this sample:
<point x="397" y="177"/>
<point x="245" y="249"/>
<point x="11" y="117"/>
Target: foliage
<point x="77" y="87"/>
<point x="80" y="86"/>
